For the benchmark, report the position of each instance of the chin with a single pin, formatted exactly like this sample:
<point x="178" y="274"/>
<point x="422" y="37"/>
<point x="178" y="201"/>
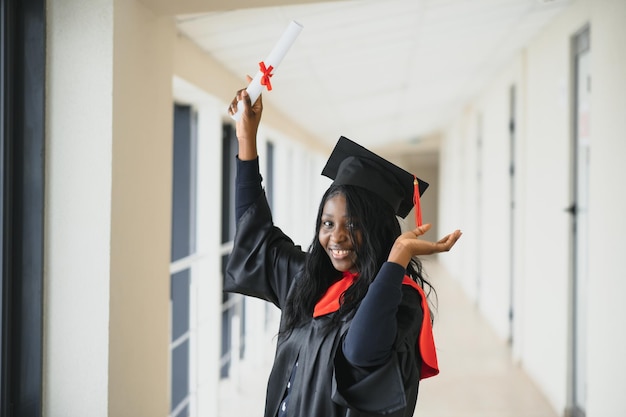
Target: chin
<point x="344" y="266"/>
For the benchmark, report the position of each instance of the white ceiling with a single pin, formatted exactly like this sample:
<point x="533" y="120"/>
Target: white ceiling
<point x="378" y="72"/>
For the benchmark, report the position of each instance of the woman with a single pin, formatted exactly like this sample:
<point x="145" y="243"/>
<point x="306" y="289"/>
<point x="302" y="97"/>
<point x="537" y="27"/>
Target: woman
<point x="355" y="335"/>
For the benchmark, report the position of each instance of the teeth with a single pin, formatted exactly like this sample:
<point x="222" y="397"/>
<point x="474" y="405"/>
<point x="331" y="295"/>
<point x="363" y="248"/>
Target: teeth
<point x="340" y="251"/>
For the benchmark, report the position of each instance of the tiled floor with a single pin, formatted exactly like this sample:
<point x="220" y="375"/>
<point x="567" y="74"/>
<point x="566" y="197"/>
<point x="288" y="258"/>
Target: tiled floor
<point x="477" y="379"/>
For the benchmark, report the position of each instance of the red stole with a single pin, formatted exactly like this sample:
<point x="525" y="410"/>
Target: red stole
<point x="329" y="303"/>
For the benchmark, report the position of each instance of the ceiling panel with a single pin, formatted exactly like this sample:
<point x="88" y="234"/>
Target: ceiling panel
<point x="389" y="72"/>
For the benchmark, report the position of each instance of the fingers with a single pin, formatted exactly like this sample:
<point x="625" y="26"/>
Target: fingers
<point x="442" y="245"/>
<point x="408" y="244"/>
<point x="232" y="109"/>
<point x="448" y="241"/>
<point x="243" y="96"/>
<point x="258" y="105"/>
<point x="420" y="230"/>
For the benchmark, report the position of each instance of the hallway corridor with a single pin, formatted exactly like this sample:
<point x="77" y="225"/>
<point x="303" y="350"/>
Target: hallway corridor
<point x="477" y="377"/>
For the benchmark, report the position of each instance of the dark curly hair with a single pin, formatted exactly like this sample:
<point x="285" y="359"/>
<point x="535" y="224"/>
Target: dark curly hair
<point x="379" y="228"/>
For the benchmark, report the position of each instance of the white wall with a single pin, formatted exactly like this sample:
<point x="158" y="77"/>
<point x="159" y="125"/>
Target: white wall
<point x="547" y="190"/>
<point x="476" y="158"/>
<point x="458" y="205"/>
<point x="542" y="332"/>
<point x="607" y="224"/>
<point x="494" y="275"/>
<point x="78" y="208"/>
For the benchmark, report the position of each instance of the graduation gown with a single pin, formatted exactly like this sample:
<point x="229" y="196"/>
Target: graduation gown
<point x="266" y="264"/>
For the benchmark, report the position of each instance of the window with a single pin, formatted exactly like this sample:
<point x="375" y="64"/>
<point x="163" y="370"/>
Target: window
<point x="22" y="117"/>
<point x="183" y="249"/>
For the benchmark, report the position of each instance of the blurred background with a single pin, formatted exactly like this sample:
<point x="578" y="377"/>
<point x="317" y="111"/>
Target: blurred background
<point x="118" y="174"/>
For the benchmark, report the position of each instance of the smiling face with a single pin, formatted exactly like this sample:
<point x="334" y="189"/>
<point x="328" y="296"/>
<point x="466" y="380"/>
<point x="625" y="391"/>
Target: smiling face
<point x="335" y="234"/>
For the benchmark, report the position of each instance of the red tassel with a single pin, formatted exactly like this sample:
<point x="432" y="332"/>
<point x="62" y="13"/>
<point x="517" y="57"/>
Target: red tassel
<point x="416" y="202"/>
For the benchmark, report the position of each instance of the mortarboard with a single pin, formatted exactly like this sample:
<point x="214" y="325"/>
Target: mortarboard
<point x="352" y="164"/>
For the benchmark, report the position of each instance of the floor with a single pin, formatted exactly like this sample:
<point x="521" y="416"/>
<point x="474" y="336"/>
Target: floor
<point x="477" y="379"/>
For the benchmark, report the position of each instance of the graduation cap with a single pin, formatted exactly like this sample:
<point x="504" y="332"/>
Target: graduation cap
<point x="352" y="164"/>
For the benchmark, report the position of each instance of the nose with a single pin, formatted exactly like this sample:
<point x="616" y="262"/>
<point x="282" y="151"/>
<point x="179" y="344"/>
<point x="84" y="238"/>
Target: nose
<point x="340" y="234"/>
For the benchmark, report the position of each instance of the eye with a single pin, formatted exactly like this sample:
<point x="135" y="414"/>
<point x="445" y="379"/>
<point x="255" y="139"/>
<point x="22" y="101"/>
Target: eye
<point x="327" y="224"/>
<point x="352" y="225"/>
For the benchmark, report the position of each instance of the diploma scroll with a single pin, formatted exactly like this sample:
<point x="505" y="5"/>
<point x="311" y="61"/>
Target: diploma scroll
<point x="255" y="87"/>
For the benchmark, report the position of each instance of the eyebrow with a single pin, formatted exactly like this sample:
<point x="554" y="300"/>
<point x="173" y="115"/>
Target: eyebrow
<point x="332" y="215"/>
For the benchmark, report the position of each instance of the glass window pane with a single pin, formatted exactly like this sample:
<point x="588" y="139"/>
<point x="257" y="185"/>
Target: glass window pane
<point x="182" y="195"/>
<point x="180" y="373"/>
<point x="180" y="303"/>
<point x="229" y="143"/>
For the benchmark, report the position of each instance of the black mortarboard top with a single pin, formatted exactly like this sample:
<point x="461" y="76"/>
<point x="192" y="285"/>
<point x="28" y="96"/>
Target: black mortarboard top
<point x="352" y="164"/>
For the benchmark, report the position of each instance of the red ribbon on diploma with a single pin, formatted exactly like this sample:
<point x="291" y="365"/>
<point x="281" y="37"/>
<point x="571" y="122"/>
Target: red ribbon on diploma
<point x="267" y="73"/>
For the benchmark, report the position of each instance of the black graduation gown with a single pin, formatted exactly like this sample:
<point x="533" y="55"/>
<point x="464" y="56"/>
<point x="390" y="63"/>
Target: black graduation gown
<point x="265" y="263"/>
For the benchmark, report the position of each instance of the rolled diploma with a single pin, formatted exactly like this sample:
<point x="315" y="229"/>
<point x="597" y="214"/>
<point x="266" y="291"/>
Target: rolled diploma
<point x="274" y="58"/>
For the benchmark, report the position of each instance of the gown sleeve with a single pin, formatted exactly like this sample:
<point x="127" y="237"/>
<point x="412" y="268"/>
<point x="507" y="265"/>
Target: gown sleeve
<point x="390" y="388"/>
<point x="247" y="185"/>
<point x="373" y="329"/>
<point x="264" y="260"/>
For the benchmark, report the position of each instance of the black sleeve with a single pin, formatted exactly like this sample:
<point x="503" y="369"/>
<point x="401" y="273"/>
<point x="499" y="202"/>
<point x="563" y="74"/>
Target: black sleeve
<point x="370" y="339"/>
<point x="389" y="389"/>
<point x="247" y="185"/>
<point x="264" y="261"/>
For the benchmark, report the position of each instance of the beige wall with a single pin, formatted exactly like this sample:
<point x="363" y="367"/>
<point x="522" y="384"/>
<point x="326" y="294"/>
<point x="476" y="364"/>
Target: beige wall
<point x="140" y="212"/>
